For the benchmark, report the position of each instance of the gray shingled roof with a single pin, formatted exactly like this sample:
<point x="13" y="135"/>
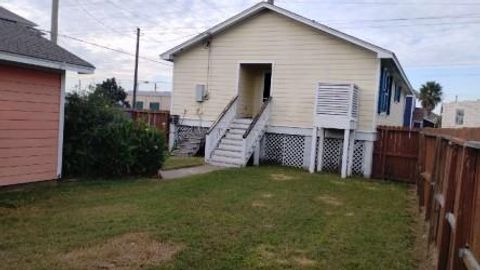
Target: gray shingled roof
<point x="10" y="16"/>
<point x="21" y="38"/>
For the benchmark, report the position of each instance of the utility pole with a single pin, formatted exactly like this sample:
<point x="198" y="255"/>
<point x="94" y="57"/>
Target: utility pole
<point x="54" y="22"/>
<point x="135" y="76"/>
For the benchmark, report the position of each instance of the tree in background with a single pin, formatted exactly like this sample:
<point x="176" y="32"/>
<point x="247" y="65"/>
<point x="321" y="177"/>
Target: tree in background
<point x="109" y="90"/>
<point x="430" y="95"/>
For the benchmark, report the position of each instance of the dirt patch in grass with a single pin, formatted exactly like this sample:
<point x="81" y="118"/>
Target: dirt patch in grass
<point x="281" y="177"/>
<point x="303" y="261"/>
<point x="128" y="251"/>
<point x="267" y="195"/>
<point x="424" y="256"/>
<point x="327" y="199"/>
<point x="270" y="257"/>
<point x="258" y="204"/>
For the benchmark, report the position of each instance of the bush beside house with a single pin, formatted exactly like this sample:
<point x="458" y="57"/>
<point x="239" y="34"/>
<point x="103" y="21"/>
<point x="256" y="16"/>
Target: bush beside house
<point x="101" y="140"/>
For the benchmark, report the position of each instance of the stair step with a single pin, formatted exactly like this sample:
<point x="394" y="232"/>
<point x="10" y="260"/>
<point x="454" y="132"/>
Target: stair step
<point x="234" y="136"/>
<point x="236" y="131"/>
<point x="239" y="126"/>
<point x="244" y="121"/>
<point x="227" y="153"/>
<point x="226" y="160"/>
<point x="222" y="164"/>
<point x="236" y="142"/>
<point x="230" y="147"/>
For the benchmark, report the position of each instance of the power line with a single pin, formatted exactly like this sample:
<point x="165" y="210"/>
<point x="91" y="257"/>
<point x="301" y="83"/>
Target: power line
<point x="107" y="48"/>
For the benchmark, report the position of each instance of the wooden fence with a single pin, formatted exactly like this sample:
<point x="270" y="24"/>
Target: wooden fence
<point x="395" y="154"/>
<point x="156" y="119"/>
<point x="448" y="186"/>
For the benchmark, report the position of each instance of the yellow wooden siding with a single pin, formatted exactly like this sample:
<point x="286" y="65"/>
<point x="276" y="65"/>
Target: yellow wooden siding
<point x="397" y="110"/>
<point x="302" y="57"/>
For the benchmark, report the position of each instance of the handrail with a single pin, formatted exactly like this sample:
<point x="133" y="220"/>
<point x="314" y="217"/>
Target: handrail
<point x="229" y="105"/>
<point x="254" y="121"/>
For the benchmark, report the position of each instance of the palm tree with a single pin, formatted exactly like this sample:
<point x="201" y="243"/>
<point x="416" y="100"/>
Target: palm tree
<point x="430" y="95"/>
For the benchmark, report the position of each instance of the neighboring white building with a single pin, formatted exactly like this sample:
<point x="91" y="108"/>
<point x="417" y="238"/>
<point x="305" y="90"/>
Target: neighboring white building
<point x="267" y="81"/>
<point x="150" y="100"/>
<point x="459" y="114"/>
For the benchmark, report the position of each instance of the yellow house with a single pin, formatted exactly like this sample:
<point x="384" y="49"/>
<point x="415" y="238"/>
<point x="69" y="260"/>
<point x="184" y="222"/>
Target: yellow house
<point x="150" y="100"/>
<point x="265" y="82"/>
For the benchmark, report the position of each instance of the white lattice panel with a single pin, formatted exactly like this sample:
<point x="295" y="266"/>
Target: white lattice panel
<point x="357" y="164"/>
<point x="287" y="150"/>
<point x="183" y="131"/>
<point x="332" y="155"/>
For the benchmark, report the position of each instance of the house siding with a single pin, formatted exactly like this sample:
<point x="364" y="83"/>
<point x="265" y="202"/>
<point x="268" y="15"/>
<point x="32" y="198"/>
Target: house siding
<point x="397" y="112"/>
<point x="471" y="116"/>
<point x="29" y="122"/>
<point x="301" y="56"/>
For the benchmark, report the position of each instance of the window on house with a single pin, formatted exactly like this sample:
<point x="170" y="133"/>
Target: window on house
<point x="385" y="92"/>
<point x="154" y="106"/>
<point x="459" y="116"/>
<point x="398" y="93"/>
<point x="139" y="105"/>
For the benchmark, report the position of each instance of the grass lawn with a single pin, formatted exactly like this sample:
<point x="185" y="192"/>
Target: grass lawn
<point x="174" y="162"/>
<point x="251" y="218"/>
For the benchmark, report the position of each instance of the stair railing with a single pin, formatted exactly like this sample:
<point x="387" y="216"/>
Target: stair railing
<point x="220" y="127"/>
<point x="255" y="131"/>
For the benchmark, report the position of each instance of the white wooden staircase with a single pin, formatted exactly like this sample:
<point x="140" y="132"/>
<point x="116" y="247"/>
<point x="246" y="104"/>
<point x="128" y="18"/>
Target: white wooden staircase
<point x="231" y="141"/>
<point x="229" y="151"/>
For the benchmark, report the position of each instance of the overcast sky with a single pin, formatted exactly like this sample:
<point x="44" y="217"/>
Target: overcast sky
<point x="434" y="39"/>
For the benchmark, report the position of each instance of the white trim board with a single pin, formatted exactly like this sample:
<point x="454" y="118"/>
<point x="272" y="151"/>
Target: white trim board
<point x="45" y="63"/>
<point x="61" y="121"/>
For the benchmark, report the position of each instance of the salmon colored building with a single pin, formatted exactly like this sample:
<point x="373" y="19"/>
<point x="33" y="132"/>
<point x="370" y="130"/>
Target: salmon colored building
<point x="32" y="90"/>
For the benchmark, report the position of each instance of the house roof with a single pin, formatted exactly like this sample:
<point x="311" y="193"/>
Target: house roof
<point x="22" y="43"/>
<point x="151" y="93"/>
<point x="248" y="13"/>
<point x="6" y="14"/>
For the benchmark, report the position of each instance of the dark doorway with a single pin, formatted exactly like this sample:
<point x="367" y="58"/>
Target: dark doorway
<point x="267" y="83"/>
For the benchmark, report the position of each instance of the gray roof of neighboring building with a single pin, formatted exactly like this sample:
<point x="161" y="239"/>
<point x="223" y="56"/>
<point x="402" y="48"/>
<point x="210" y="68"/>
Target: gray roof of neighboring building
<point x="151" y="93"/>
<point x="19" y="37"/>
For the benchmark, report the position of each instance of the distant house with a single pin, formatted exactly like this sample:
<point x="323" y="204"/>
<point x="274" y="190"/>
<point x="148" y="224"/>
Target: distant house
<point x="461" y="114"/>
<point x="422" y="119"/>
<point x="150" y="100"/>
<point x="32" y="89"/>
<point x="269" y="85"/>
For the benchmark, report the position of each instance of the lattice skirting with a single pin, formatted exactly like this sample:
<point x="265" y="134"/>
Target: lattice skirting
<point x="287" y="150"/>
<point x="332" y="156"/>
<point x="183" y="131"/>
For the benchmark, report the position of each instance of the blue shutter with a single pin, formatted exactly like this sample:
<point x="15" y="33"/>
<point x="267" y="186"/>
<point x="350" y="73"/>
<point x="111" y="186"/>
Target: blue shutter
<point x="407" y="115"/>
<point x="388" y="98"/>
<point x="380" y="91"/>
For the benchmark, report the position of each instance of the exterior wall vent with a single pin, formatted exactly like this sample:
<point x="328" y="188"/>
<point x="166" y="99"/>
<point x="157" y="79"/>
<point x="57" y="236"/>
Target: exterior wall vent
<point x="200" y="92"/>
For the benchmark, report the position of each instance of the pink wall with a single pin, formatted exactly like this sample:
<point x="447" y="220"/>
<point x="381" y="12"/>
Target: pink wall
<point x="29" y="117"/>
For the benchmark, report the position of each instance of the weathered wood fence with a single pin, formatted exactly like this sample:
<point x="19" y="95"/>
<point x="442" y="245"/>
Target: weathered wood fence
<point x="395" y="154"/>
<point x="156" y="119"/>
<point x="448" y="186"/>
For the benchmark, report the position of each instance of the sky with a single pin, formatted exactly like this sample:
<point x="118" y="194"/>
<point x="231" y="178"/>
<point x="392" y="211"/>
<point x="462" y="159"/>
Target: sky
<point x="433" y="39"/>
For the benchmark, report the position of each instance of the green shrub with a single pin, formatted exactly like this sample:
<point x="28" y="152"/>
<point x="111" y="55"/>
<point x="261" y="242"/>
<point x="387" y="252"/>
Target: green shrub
<point x="101" y="140"/>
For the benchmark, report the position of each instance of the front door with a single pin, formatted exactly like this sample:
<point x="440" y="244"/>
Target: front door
<point x="267" y="84"/>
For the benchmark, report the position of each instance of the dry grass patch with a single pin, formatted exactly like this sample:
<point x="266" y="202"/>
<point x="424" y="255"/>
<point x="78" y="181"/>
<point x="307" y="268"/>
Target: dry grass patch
<point x="267" y="195"/>
<point x="258" y="204"/>
<point x="281" y="177"/>
<point x="291" y="257"/>
<point x="128" y="251"/>
<point x="327" y="199"/>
